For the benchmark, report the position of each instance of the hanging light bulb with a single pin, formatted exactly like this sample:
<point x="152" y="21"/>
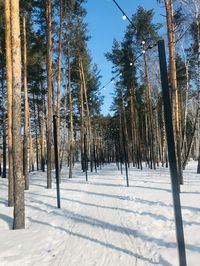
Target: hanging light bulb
<point x="124" y="17"/>
<point x="131" y="63"/>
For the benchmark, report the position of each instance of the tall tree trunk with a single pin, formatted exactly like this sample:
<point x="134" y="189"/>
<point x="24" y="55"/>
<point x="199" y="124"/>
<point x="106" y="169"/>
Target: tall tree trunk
<point x="49" y="83"/>
<point x="42" y="139"/>
<point x="149" y="115"/>
<point x="82" y="118"/>
<point x="9" y="95"/>
<point x="19" y="209"/>
<point x="198" y="77"/>
<point x="71" y="123"/>
<point x="3" y="124"/>
<point x="59" y="76"/>
<point x="26" y="129"/>
<point x="173" y="82"/>
<point x="31" y="159"/>
<point x="88" y="122"/>
<point x="39" y="131"/>
<point x="36" y="132"/>
<point x="184" y="139"/>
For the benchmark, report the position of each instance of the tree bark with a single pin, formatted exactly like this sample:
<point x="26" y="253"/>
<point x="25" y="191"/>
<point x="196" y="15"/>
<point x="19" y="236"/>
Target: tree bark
<point x="59" y="76"/>
<point x="19" y="209"/>
<point x="49" y="83"/>
<point x="173" y="82"/>
<point x="9" y="95"/>
<point x="4" y="123"/>
<point x="150" y="131"/>
<point x="42" y="139"/>
<point x="71" y="123"/>
<point x="88" y="122"/>
<point x="26" y="129"/>
<point x="81" y="118"/>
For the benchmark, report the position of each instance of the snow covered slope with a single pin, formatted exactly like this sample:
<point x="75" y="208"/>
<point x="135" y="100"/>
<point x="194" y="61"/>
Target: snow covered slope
<point x="102" y="222"/>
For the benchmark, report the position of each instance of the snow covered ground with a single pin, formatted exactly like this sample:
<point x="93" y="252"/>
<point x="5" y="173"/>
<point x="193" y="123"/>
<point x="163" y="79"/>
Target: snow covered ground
<point x="102" y="222"/>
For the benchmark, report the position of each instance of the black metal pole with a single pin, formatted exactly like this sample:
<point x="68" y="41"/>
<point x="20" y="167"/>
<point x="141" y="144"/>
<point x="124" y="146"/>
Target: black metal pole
<point x="56" y="160"/>
<point x="172" y="154"/>
<point x="85" y="159"/>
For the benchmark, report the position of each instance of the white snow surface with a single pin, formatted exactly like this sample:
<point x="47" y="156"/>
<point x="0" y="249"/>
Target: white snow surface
<point x="102" y="222"/>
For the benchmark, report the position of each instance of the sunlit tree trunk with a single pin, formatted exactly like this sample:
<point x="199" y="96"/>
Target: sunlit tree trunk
<point x="49" y="83"/>
<point x="71" y="122"/>
<point x="3" y="124"/>
<point x="88" y="122"/>
<point x="173" y="83"/>
<point x="9" y="95"/>
<point x="36" y="132"/>
<point x="26" y="129"/>
<point x="59" y="76"/>
<point x="81" y="118"/>
<point x="198" y="77"/>
<point x="42" y="139"/>
<point x="19" y="209"/>
<point x="31" y="157"/>
<point x="150" y="132"/>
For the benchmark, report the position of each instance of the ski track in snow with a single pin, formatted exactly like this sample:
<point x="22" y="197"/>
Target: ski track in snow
<point x="102" y="222"/>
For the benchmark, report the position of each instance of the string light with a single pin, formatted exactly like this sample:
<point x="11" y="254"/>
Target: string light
<point x="124" y="17"/>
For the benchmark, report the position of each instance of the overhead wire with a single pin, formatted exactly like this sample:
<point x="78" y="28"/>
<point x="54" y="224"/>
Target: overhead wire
<point x="143" y="42"/>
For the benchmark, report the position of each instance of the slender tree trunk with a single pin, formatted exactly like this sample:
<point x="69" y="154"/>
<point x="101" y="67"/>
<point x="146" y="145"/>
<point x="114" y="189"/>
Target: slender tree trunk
<point x="198" y="36"/>
<point x="188" y="151"/>
<point x="26" y="129"/>
<point x="19" y="209"/>
<point x="59" y="76"/>
<point x="82" y="119"/>
<point x="89" y="134"/>
<point x="184" y="139"/>
<point x="150" y="132"/>
<point x="49" y="83"/>
<point x="9" y="95"/>
<point x="42" y="139"/>
<point x="4" y="123"/>
<point x="173" y="82"/>
<point x="71" y="123"/>
<point x="133" y="128"/>
<point x="36" y="133"/>
<point x="31" y="159"/>
<point x="39" y="131"/>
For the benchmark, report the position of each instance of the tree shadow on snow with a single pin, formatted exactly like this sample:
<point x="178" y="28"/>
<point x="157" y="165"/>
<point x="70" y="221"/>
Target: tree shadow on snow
<point x="3" y="202"/>
<point x="143" y="213"/>
<point x="105" y="244"/>
<point x="94" y="222"/>
<point x="7" y="219"/>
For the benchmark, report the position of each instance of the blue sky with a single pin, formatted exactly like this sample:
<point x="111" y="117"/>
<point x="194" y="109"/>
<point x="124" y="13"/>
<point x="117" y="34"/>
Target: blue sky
<point x="105" y="23"/>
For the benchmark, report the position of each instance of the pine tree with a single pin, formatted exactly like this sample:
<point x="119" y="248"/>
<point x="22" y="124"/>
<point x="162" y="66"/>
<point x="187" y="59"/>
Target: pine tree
<point x="19" y="209"/>
<point x="9" y="95"/>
